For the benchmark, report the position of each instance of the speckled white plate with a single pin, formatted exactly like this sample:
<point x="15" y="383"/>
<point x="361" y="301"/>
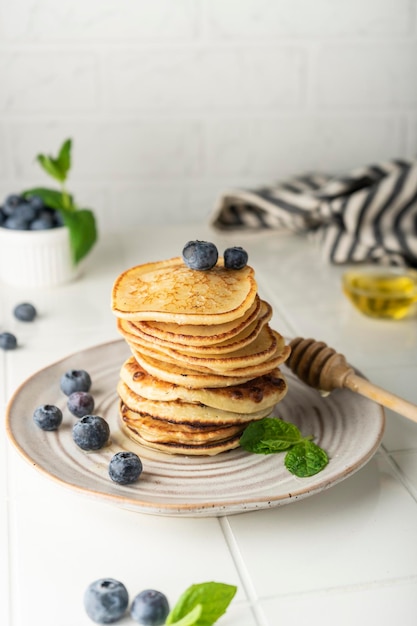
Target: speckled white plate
<point x="346" y="425"/>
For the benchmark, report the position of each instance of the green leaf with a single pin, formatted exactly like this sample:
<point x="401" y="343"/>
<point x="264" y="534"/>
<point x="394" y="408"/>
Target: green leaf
<point x="191" y="618"/>
<point x="64" y="157"/>
<point x="269" y="435"/>
<point x="213" y="597"/>
<point x="51" y="167"/>
<point x="51" y="197"/>
<point x="58" y="167"/>
<point x="82" y="230"/>
<point x="305" y="459"/>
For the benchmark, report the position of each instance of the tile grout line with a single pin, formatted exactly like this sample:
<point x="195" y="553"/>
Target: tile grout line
<point x="242" y="570"/>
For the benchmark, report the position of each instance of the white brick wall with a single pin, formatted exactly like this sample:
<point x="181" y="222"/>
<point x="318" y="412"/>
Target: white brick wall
<point x="169" y="102"/>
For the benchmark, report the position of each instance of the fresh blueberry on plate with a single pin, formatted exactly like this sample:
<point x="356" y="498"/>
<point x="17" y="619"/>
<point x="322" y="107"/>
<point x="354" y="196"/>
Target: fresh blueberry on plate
<point x="200" y="255"/>
<point x="48" y="417"/>
<point x="91" y="433"/>
<point x="125" y="468"/>
<point x="25" y="312"/>
<point x="75" y="380"/>
<point x="106" y="600"/>
<point x="235" y="258"/>
<point x="150" y="608"/>
<point x="80" y="403"/>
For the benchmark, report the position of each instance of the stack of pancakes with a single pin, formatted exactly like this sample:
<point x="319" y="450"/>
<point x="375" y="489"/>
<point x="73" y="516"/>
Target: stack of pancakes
<point x="205" y="362"/>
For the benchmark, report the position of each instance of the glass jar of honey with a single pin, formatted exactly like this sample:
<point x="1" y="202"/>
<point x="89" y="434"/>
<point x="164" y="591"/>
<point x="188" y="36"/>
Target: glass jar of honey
<point x="382" y="292"/>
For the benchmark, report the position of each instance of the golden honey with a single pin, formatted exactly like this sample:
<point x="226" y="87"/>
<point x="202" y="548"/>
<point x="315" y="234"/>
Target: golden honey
<point x="382" y="293"/>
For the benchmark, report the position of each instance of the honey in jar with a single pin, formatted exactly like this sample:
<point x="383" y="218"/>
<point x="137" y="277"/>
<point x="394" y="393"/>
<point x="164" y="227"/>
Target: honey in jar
<point x="386" y="293"/>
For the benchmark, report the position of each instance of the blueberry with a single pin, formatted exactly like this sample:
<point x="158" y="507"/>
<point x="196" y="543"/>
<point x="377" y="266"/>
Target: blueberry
<point x="25" y="211"/>
<point x="16" y="222"/>
<point x="200" y="255"/>
<point x="150" y="607"/>
<point x="106" y="600"/>
<point x="48" y="417"/>
<point x="75" y="380"/>
<point x="235" y="258"/>
<point x="59" y="220"/>
<point x="11" y="202"/>
<point x="125" y="467"/>
<point x="42" y="223"/>
<point x="80" y="403"/>
<point x="8" y="341"/>
<point x="25" y="312"/>
<point x="36" y="203"/>
<point x="91" y="432"/>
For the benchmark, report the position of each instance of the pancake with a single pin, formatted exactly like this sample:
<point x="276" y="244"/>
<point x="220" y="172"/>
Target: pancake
<point x="180" y="412"/>
<point x="189" y="449"/>
<point x="265" y="345"/>
<point x="198" y="335"/>
<point x="168" y="291"/>
<point x="246" y="397"/>
<point x="244" y="338"/>
<point x="190" y="378"/>
<point x="156" y="429"/>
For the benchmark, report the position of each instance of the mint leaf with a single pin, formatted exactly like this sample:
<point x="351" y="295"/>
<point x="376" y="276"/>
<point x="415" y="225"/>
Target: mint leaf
<point x="82" y="231"/>
<point x="191" y="618"/>
<point x="305" y="459"/>
<point x="50" y="167"/>
<point x="214" y="598"/>
<point x="269" y="435"/>
<point x="51" y="197"/>
<point x="57" y="168"/>
<point x="64" y="157"/>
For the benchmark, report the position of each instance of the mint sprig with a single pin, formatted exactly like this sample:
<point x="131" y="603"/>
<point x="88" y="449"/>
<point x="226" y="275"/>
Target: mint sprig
<point x="271" y="434"/>
<point x="80" y="222"/>
<point x="201" y="604"/>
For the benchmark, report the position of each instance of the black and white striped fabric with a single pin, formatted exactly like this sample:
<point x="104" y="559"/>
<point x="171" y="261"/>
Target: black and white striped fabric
<point x="368" y="215"/>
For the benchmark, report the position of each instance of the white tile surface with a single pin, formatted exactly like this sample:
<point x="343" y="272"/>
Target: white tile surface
<point x="336" y="539"/>
<point x="377" y="604"/>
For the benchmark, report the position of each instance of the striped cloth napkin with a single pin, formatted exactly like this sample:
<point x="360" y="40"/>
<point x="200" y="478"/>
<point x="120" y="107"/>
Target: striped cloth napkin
<point x="368" y="215"/>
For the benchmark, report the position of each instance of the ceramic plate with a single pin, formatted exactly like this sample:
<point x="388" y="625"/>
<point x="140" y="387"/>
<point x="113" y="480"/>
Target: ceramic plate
<point x="346" y="425"/>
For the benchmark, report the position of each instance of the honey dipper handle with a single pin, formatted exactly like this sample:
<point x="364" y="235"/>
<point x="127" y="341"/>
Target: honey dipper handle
<point x="373" y="392"/>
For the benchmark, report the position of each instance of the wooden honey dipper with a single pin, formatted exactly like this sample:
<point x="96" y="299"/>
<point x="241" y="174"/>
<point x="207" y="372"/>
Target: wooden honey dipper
<point x="323" y="368"/>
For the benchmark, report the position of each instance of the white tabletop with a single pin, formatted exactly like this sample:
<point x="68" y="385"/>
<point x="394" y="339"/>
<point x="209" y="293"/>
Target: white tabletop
<point x="345" y="556"/>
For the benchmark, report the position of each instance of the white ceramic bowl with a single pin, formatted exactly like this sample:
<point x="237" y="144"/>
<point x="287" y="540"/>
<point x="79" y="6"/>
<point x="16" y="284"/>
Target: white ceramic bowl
<point x="36" y="258"/>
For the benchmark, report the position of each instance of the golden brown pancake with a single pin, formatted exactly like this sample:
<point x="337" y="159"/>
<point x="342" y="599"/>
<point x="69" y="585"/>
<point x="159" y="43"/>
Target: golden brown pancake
<point x="248" y="397"/>
<point x="199" y="449"/>
<point x="198" y="335"/>
<point x="156" y="429"/>
<point x="180" y="412"/>
<point x="191" y="378"/>
<point x="244" y="338"/>
<point x="168" y="291"/>
<point x="265" y="345"/>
